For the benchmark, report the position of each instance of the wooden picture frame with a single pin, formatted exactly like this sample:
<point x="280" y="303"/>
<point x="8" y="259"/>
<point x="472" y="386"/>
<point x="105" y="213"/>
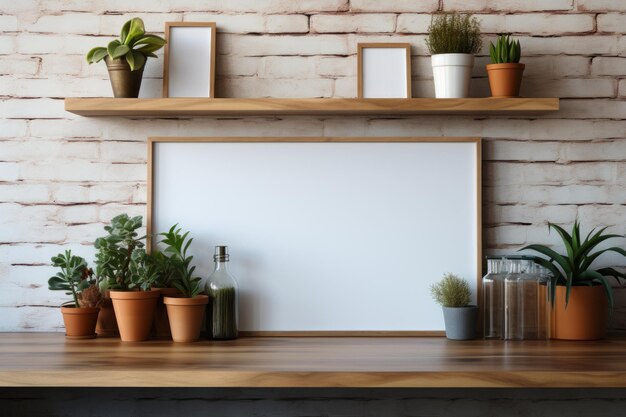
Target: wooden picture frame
<point x="173" y="63"/>
<point x="163" y="156"/>
<point x="381" y="74"/>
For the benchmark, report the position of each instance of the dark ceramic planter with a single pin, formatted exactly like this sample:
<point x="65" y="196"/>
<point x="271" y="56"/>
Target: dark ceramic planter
<point x="460" y="322"/>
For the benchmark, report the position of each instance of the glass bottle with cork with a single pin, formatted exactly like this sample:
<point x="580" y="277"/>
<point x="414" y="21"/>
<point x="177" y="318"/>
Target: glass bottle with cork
<point x="222" y="311"/>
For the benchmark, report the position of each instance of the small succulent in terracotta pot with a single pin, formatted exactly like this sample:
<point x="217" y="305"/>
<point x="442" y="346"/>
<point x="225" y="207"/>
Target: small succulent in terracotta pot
<point x="505" y="71"/>
<point x="77" y="279"/>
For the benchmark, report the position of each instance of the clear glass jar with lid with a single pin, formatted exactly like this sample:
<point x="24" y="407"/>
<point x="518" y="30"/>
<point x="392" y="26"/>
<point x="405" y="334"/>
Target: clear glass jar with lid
<point x="222" y="312"/>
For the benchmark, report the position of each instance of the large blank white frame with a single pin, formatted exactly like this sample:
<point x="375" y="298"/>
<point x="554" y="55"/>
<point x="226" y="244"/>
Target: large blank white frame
<point x="327" y="235"/>
<point x="189" y="59"/>
<point x="384" y="70"/>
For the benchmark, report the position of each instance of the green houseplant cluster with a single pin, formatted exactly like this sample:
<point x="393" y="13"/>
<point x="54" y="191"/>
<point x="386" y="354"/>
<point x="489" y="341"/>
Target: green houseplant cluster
<point x="131" y="276"/>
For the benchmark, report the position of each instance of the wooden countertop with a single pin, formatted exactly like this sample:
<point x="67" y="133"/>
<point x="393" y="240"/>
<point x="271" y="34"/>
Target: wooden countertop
<point x="50" y="360"/>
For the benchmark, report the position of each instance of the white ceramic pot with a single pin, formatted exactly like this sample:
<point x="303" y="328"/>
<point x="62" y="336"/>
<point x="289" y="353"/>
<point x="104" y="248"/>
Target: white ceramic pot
<point x="452" y="73"/>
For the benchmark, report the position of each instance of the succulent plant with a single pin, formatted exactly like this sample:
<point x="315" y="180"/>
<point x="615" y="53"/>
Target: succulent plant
<point x="453" y="33"/>
<point x="134" y="45"/>
<point x="451" y="291"/>
<point x="505" y="50"/>
<point x="575" y="267"/>
<point x="76" y="279"/>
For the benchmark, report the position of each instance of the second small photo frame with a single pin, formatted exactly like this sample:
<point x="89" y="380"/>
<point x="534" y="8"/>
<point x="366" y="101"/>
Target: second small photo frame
<point x="189" y="61"/>
<point x="384" y="70"/>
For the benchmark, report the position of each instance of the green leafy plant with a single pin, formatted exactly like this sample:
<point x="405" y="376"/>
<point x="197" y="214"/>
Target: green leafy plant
<point x="453" y="33"/>
<point x="134" y="45"/>
<point x="76" y="278"/>
<point x="176" y="246"/>
<point x="120" y="257"/>
<point x="451" y="291"/>
<point x="575" y="268"/>
<point x="505" y="50"/>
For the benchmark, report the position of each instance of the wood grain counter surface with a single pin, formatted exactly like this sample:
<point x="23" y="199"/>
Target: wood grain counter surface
<point x="50" y="360"/>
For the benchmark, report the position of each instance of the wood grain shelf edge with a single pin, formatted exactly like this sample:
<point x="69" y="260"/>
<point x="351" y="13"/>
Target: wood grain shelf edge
<point x="181" y="107"/>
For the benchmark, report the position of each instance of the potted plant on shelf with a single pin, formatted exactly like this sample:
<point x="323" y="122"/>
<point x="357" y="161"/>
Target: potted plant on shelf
<point x="581" y="296"/>
<point x="452" y="40"/>
<point x="126" y="57"/>
<point x="454" y="295"/>
<point x="129" y="273"/>
<point x="77" y="279"/>
<point x="505" y="71"/>
<point x="185" y="312"/>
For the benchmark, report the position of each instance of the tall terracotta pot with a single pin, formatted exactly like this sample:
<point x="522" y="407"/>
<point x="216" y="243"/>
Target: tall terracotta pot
<point x="161" y="323"/>
<point x="186" y="315"/>
<point x="585" y="317"/>
<point x="505" y="80"/>
<point x="134" y="311"/>
<point x="80" y="323"/>
<point x="107" y="325"/>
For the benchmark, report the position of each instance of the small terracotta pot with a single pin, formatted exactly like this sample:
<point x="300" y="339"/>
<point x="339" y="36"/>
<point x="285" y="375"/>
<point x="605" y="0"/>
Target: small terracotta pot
<point x="505" y="80"/>
<point x="80" y="323"/>
<point x="107" y="325"/>
<point x="134" y="311"/>
<point x="186" y="316"/>
<point x="161" y="323"/>
<point x="585" y="317"/>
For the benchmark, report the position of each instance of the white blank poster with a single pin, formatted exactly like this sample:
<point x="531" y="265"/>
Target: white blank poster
<point x="384" y="73"/>
<point x="189" y="61"/>
<point x="326" y="236"/>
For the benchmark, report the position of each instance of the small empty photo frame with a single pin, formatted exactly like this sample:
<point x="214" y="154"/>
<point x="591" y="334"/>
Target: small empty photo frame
<point x="189" y="65"/>
<point x="384" y="70"/>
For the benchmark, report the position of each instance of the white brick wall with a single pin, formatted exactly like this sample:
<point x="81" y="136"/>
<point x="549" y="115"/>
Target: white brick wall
<point x="63" y="176"/>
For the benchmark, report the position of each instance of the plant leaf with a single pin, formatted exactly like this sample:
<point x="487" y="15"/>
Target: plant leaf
<point x="124" y="32"/>
<point x="135" y="30"/>
<point x="96" y="54"/>
<point x="120" y="51"/>
<point x="544" y="250"/>
<point x="112" y="46"/>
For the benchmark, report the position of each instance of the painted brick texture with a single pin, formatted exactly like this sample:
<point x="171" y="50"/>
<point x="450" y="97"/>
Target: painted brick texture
<point x="62" y="176"/>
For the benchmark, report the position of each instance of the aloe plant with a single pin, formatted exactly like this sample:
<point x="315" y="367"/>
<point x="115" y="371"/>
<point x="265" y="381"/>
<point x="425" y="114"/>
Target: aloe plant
<point x="505" y="50"/>
<point x="74" y="278"/>
<point x="575" y="267"/>
<point x="134" y="45"/>
<point x="176" y="246"/>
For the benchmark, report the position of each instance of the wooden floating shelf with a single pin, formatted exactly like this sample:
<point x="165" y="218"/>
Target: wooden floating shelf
<point x="181" y="107"/>
<point x="50" y="360"/>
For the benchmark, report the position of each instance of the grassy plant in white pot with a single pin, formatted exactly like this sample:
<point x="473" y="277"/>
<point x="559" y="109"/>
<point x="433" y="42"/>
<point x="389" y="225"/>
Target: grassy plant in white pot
<point x="454" y="295"/>
<point x="452" y="40"/>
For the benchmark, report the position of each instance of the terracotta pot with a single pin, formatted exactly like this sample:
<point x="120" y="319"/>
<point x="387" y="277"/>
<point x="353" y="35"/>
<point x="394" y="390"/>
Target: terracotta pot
<point x="186" y="316"/>
<point x="585" y="317"/>
<point x="125" y="83"/>
<point x="161" y="323"/>
<point x="505" y="79"/>
<point x="134" y="311"/>
<point x="107" y="325"/>
<point x="80" y="323"/>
